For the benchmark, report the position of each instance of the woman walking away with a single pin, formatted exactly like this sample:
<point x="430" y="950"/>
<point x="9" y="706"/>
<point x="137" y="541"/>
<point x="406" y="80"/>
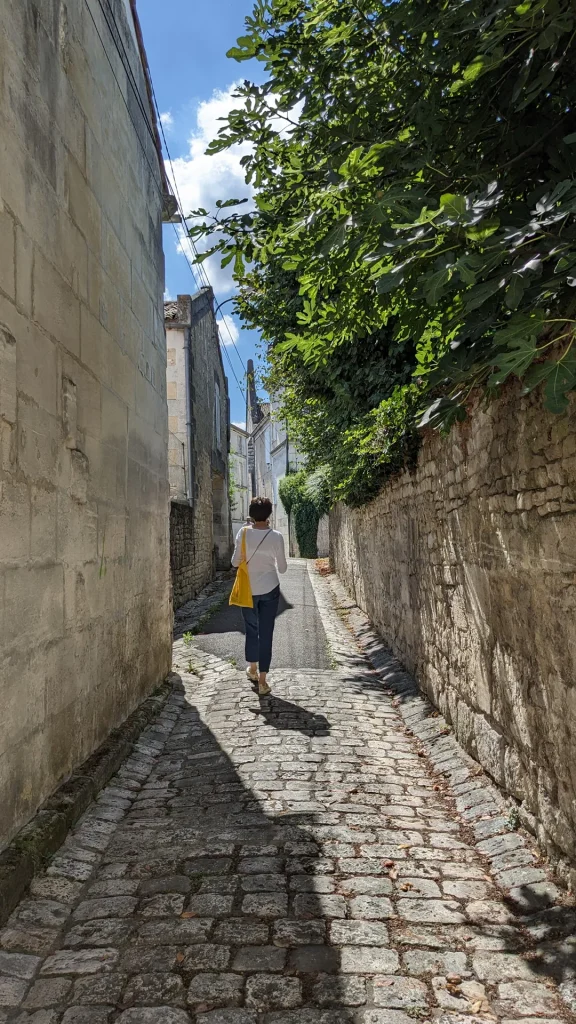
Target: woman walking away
<point x="265" y="558"/>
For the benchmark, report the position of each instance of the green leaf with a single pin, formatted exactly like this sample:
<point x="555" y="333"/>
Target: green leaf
<point x="453" y="205"/>
<point x="434" y="284"/>
<point x="480" y="294"/>
<point x="570" y="140"/>
<point x="483" y="230"/>
<point x="516" y="359"/>
<point x="561" y="380"/>
<point x="515" y="291"/>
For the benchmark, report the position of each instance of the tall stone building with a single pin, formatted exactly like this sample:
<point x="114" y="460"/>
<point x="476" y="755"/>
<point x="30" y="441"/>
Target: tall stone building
<point x="199" y="419"/>
<point x="238" y="468"/>
<point x="84" y="562"/>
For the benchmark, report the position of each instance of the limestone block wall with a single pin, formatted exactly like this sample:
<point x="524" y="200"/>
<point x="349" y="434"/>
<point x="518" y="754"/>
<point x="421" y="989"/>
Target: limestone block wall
<point x="84" y="555"/>
<point x="467" y="566"/>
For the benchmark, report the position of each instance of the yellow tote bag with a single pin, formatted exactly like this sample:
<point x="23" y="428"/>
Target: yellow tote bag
<point x="242" y="591"/>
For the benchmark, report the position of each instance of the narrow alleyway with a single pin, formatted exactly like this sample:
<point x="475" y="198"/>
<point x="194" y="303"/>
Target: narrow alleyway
<point x="299" y="637"/>
<point x="292" y="860"/>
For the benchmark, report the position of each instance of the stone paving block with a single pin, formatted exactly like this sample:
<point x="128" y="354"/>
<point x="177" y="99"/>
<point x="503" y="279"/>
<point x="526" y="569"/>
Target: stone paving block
<point x="272" y="993"/>
<point x="179" y="931"/>
<point x="210" y="905"/>
<point x="81" y="961"/>
<point x="239" y="931"/>
<point x="299" y="933"/>
<point x="267" y="905"/>
<point x="114" y="906"/>
<point x="386" y="1017"/>
<point x="153" y="1015"/>
<point x="209" y="991"/>
<point x="39" y="913"/>
<point x="155" y="989"/>
<point x="227" y="1016"/>
<point x="47" y="992"/>
<point x="495" y="967"/>
<point x="368" y="885"/>
<point x="319" y="905"/>
<point x="368" y="960"/>
<point x="87" y="1015"/>
<point x="259" y="958"/>
<point x="209" y="957"/>
<point x="18" y="965"/>
<point x="359" y="933"/>
<point x="98" y="989"/>
<point x="314" y="959"/>
<point x="104" y="932"/>
<point x="466" y="997"/>
<point x="399" y="993"/>
<point x="325" y="884"/>
<point x="12" y="991"/>
<point x="371" y="907"/>
<point x="433" y="911"/>
<point x="526" y="998"/>
<point x="55" y="887"/>
<point x="418" y="887"/>
<point x="423" y="961"/>
<point x="340" y="991"/>
<point x="162" y="905"/>
<point x="171" y="884"/>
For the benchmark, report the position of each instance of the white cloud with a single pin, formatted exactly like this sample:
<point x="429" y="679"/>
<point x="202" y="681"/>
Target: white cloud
<point x="167" y="120"/>
<point x="168" y="297"/>
<point x="241" y="424"/>
<point x="203" y="179"/>
<point x="229" y="332"/>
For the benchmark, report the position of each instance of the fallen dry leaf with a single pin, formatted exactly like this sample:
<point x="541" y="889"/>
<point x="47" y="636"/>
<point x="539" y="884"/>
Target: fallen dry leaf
<point x="393" y="874"/>
<point x="388" y="863"/>
<point x="403" y="846"/>
<point x="188" y="913"/>
<point x="476" y="1007"/>
<point x="453" y="979"/>
<point x="407" y="886"/>
<point x="179" y="958"/>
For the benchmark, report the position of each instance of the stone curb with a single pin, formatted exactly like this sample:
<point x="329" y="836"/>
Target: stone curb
<point x="511" y="855"/>
<point x="34" y="844"/>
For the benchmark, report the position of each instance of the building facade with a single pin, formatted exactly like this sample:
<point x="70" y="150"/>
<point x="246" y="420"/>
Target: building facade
<point x="199" y="424"/>
<point x="238" y="468"/>
<point x="85" y="615"/>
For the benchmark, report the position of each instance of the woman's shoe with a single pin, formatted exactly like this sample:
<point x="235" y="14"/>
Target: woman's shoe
<point x="252" y="676"/>
<point x="263" y="690"/>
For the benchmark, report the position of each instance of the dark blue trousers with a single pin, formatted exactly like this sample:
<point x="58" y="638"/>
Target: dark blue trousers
<point x="259" y="622"/>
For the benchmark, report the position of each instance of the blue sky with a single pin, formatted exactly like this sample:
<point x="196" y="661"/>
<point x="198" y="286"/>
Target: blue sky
<point x="186" y="44"/>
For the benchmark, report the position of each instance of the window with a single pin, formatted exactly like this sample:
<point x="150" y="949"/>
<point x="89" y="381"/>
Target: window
<point x="217" y="415"/>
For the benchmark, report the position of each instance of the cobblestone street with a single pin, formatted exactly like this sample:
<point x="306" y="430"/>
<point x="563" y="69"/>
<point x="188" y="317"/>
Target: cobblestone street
<point x="293" y="860"/>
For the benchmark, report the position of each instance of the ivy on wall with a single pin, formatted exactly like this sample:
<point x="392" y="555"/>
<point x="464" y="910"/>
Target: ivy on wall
<point x="305" y="500"/>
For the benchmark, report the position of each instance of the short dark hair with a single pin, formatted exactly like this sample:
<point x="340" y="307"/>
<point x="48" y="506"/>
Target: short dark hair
<point x="260" y="509"/>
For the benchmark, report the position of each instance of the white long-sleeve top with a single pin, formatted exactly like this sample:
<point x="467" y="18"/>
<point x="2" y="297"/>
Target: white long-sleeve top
<point x="266" y="558"/>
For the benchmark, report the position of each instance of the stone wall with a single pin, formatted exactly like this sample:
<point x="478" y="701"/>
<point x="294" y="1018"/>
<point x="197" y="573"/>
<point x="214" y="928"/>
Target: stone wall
<point x="84" y="567"/>
<point x="190" y="322"/>
<point x="185" y="572"/>
<point x="467" y="567"/>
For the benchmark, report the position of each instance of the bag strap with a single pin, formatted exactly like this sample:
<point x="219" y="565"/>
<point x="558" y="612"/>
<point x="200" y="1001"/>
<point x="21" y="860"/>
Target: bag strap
<point x="257" y="546"/>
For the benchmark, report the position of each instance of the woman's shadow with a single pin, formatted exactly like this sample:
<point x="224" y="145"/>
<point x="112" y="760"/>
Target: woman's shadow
<point x="285" y="716"/>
